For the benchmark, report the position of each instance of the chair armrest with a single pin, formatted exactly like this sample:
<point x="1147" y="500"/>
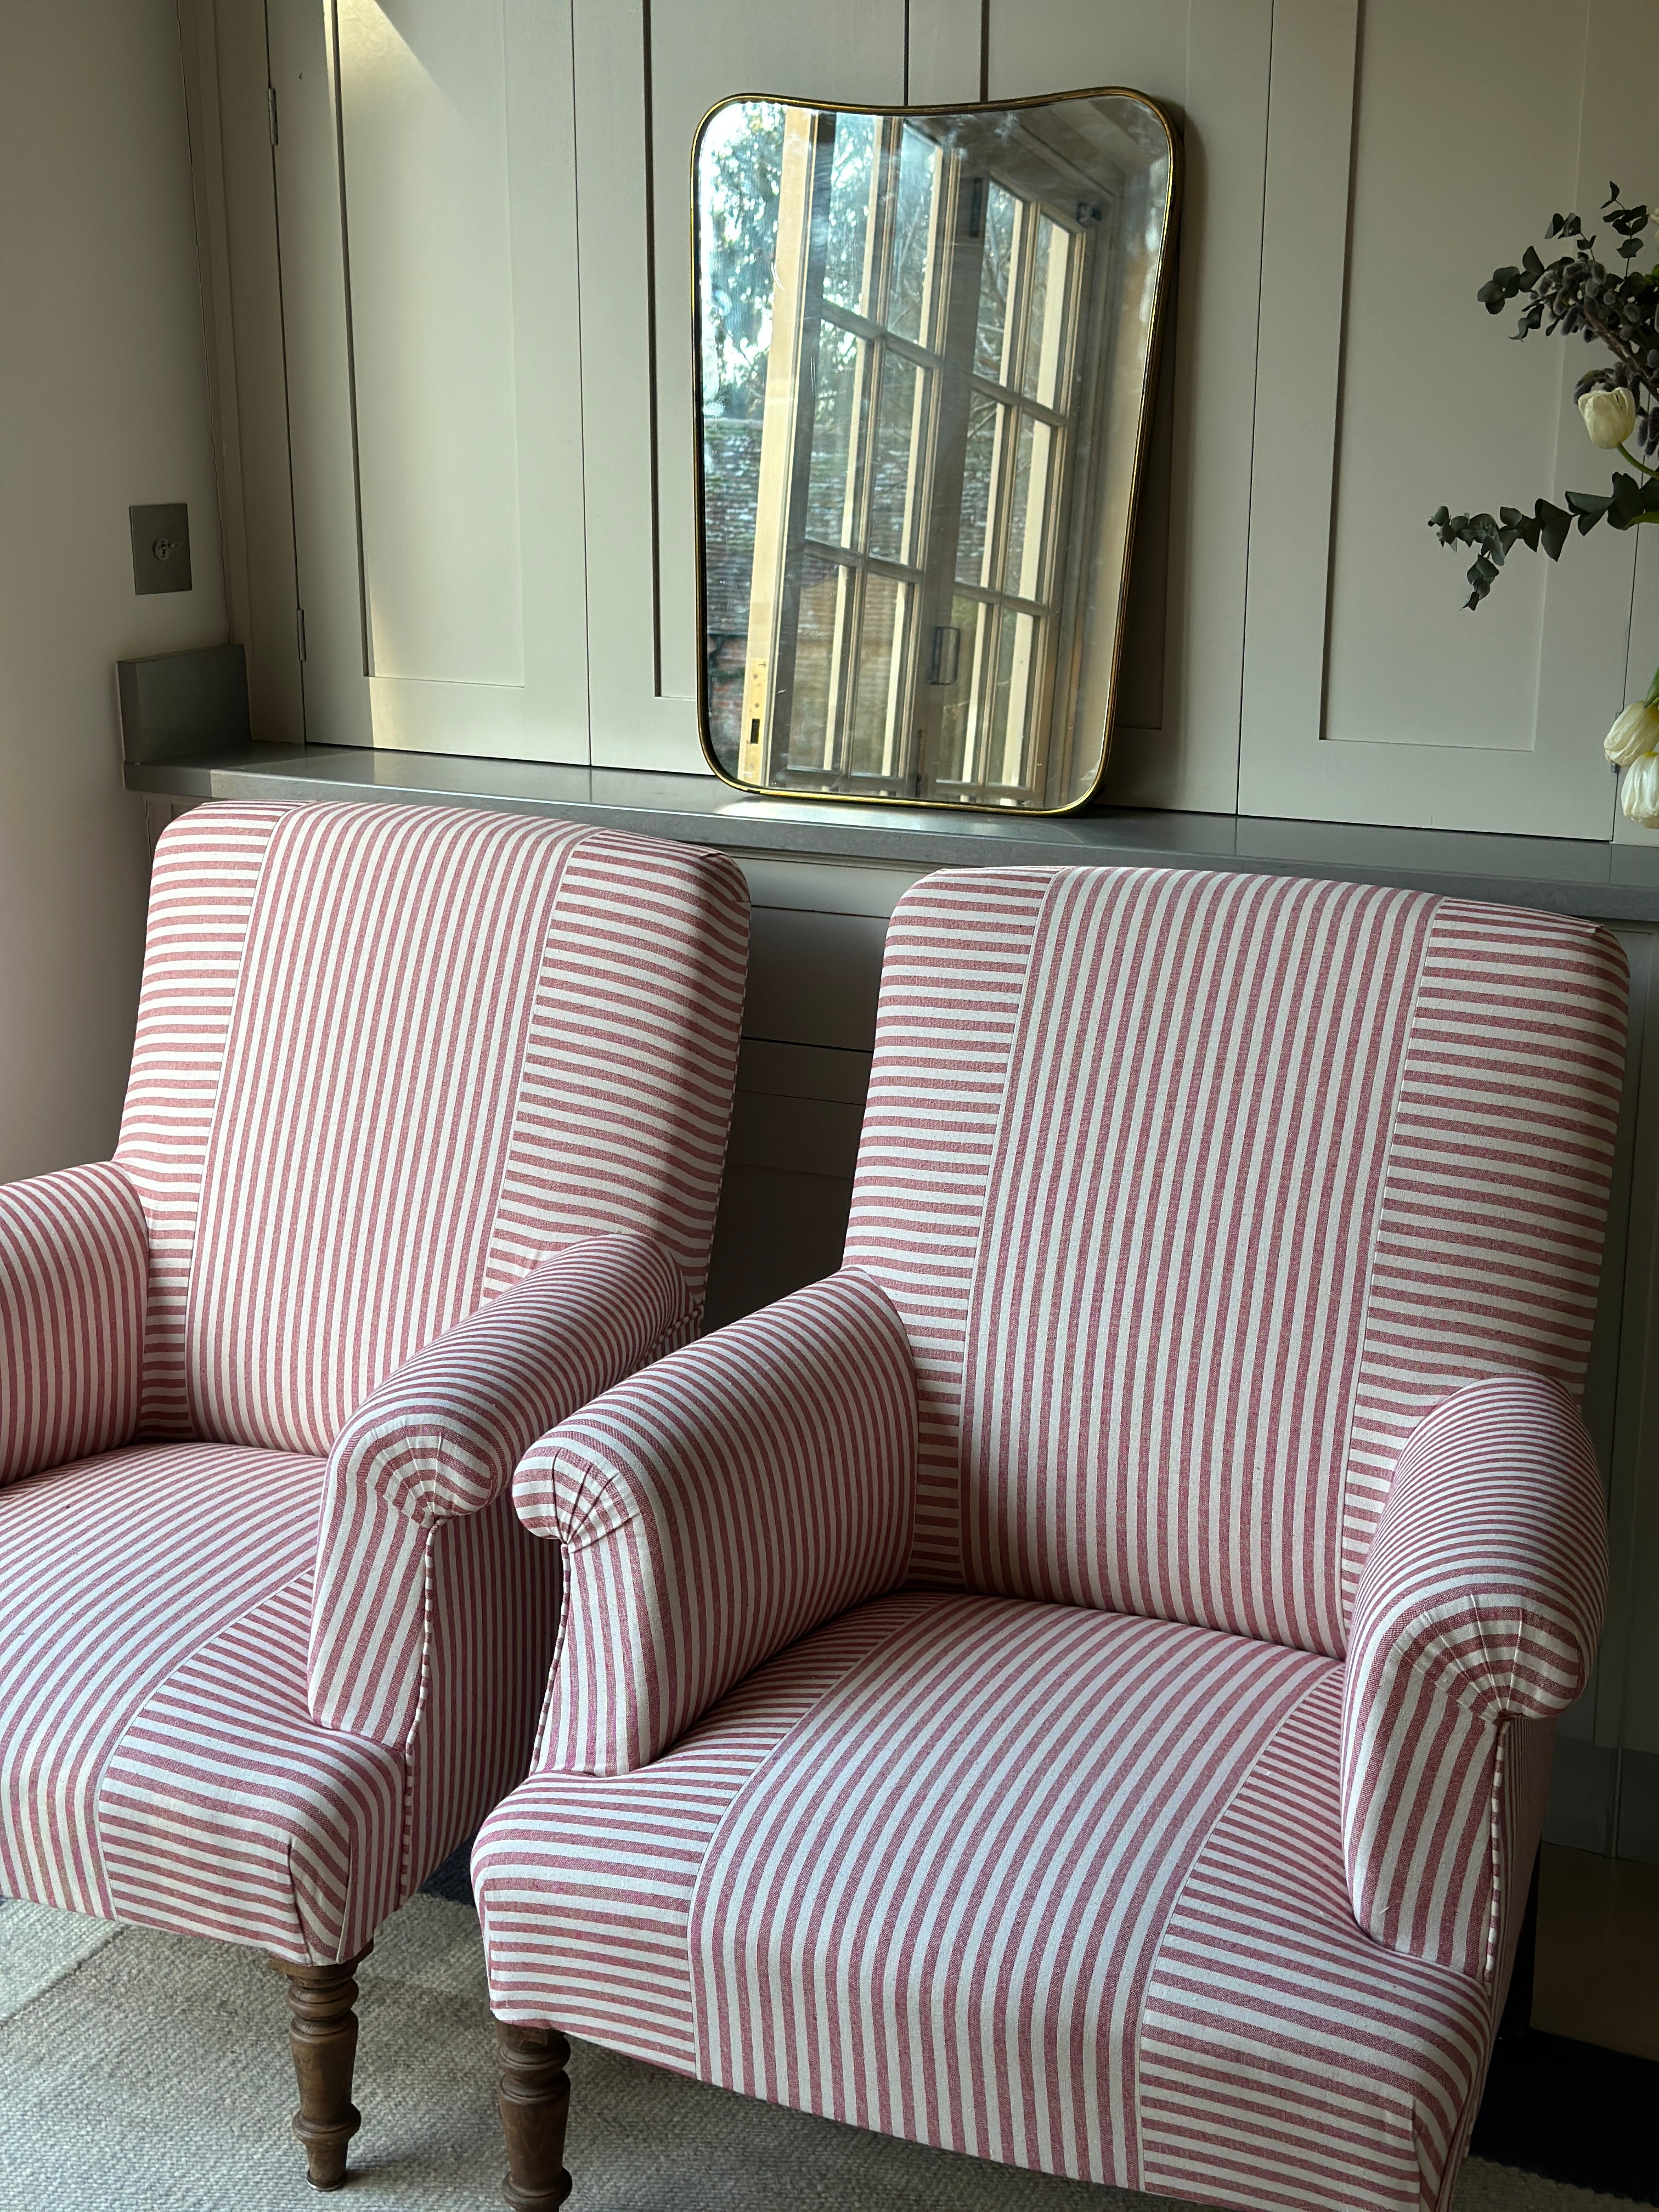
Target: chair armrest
<point x="1480" y="1607"/>
<point x="716" y="1508"/>
<point x="440" y="1438"/>
<point x="74" y="1265"/>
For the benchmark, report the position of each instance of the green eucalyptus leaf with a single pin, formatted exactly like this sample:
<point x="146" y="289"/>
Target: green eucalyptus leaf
<point x="1554" y="523"/>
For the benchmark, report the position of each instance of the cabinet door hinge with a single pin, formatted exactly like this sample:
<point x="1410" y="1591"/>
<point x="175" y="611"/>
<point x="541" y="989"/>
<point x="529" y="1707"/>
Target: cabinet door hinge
<point x="300" y="630"/>
<point x="271" y="110"/>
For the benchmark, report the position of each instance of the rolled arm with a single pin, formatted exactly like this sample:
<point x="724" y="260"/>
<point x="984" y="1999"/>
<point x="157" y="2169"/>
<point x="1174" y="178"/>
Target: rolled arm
<point x="440" y="1438"/>
<point x="717" y="1507"/>
<point x="74" y="1261"/>
<point x="1480" y="1607"/>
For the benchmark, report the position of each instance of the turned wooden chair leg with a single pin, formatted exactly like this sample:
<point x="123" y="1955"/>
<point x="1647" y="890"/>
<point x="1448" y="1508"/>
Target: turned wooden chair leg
<point x="322" y="2033"/>
<point x="535" y="2102"/>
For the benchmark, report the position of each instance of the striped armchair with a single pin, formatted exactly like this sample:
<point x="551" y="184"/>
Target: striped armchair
<point x="1076" y="1686"/>
<point x="421" y="1151"/>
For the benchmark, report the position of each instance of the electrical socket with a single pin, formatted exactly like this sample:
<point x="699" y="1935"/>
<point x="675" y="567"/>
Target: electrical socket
<point x="161" y="548"/>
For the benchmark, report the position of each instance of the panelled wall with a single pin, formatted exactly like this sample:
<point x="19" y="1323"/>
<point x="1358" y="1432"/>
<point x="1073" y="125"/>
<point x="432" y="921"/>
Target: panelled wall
<point x="480" y="218"/>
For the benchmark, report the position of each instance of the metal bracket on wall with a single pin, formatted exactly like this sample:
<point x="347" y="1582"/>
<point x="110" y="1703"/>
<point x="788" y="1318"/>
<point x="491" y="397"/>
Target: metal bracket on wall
<point x="177" y="706"/>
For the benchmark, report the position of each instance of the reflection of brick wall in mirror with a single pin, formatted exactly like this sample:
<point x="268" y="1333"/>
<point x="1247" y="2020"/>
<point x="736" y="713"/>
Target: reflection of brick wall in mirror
<point x="926" y="346"/>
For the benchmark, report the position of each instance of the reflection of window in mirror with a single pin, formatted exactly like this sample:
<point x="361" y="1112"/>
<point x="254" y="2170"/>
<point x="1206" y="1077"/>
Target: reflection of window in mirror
<point x="904" y="405"/>
<point x="925" y="343"/>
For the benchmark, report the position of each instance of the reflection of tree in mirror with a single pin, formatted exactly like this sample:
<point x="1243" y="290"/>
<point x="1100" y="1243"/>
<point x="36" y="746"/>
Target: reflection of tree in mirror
<point x="997" y="213"/>
<point x="739" y="169"/>
<point x="848" y="214"/>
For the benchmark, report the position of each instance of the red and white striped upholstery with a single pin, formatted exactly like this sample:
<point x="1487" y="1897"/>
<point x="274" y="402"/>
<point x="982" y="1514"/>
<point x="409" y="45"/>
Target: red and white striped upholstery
<point x="718" y="1507"/>
<point x="421" y="1149"/>
<point x="1052" y="1885"/>
<point x="1167" y="1825"/>
<point x="156" y="1761"/>
<point x="1237" y="1130"/>
<point x="71" y="1316"/>
<point x="1478" y="1608"/>
<point x="438" y="1441"/>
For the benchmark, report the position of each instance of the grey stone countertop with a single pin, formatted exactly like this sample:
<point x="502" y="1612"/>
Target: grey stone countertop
<point x="1604" y="882"/>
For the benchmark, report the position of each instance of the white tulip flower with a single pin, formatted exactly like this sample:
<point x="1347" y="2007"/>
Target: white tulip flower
<point x="1609" y="417"/>
<point x="1635" y="733"/>
<point x="1639" y="792"/>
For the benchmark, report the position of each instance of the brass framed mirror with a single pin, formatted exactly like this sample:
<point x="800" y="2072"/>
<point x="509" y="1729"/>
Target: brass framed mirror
<point x="926" y="342"/>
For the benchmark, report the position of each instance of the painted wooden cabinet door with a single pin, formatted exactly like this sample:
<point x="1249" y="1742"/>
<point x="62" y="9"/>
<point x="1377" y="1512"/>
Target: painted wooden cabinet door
<point x="427" y="201"/>
<point x="1412" y="148"/>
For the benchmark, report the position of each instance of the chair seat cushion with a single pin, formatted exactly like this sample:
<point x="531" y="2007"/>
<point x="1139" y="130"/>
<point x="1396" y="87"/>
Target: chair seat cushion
<point x="157" y="1761"/>
<point x="1046" y="1885"/>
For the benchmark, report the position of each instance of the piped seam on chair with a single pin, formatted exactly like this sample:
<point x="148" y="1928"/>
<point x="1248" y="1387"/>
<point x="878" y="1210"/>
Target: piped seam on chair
<point x="565" y="852"/>
<point x="1386" y="1165"/>
<point x="406" y="1748"/>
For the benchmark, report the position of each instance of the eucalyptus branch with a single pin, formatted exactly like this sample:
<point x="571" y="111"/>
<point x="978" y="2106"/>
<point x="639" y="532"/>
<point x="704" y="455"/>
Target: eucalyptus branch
<point x="1547" y="528"/>
<point x="1577" y="296"/>
<point x="1640" y="376"/>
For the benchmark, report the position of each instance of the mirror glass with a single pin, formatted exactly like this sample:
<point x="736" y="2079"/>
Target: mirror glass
<point x="925" y="349"/>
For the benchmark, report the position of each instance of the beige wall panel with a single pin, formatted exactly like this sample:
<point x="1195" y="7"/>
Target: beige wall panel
<point x="630" y="725"/>
<point x="837" y="1075"/>
<point x="1466" y="136"/>
<point x="640" y="522"/>
<point x="497" y="415"/>
<point x="460" y="669"/>
<point x="775" y="1232"/>
<point x="227" y="80"/>
<point x="337" y="697"/>
<point x="1588" y="602"/>
<point x="1627" y="1693"/>
<point x="827" y="886"/>
<point x="1614" y="1386"/>
<point x="813" y="978"/>
<point x="946" y="52"/>
<point x="1298" y="371"/>
<point x="103" y="398"/>
<point x="816" y="1136"/>
<point x="1208" y="62"/>
<point x="1643" y="656"/>
<point x="789" y="1179"/>
<point x="198" y="50"/>
<point x="429" y="193"/>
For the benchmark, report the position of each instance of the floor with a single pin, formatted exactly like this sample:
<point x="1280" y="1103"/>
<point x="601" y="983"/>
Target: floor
<point x="1598" y="1952"/>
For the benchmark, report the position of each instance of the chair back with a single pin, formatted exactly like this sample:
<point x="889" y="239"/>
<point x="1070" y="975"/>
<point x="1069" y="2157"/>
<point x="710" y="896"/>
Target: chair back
<point x="1196" y="1191"/>
<point x="388" y="1058"/>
